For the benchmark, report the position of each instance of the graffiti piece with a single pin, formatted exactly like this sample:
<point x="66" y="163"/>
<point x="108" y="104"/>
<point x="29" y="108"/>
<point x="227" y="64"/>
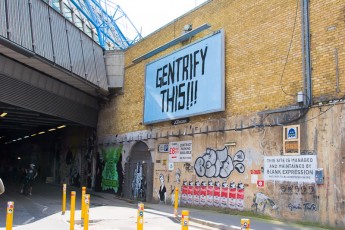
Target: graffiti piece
<point x="309" y="206"/>
<point x="139" y="183"/>
<point x="209" y="196"/>
<point x="110" y="175"/>
<point x="190" y="193"/>
<point x="216" y="194"/>
<point x="203" y="193"/>
<point x="260" y="201"/>
<point x="184" y="190"/>
<point x="240" y="196"/>
<point x="217" y="163"/>
<point x="162" y="193"/>
<point x="224" y="195"/>
<point x="232" y="195"/>
<point x="196" y="200"/>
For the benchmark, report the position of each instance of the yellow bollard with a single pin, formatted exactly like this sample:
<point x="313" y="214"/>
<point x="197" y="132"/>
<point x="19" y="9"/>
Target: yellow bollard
<point x="63" y="199"/>
<point x="176" y="202"/>
<point x="245" y="224"/>
<point x="86" y="214"/>
<point x="83" y="192"/>
<point x="140" y="217"/>
<point x="185" y="219"/>
<point x="9" y="217"/>
<point x="72" y="210"/>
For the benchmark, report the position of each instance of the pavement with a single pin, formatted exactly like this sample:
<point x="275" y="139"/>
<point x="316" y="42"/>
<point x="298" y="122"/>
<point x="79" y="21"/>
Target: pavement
<point x="212" y="218"/>
<point x="42" y="210"/>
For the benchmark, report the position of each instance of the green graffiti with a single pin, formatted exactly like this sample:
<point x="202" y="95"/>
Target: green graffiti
<point x="110" y="177"/>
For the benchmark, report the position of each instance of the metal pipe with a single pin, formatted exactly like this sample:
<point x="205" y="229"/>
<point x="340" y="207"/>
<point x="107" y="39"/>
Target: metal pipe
<point x="305" y="100"/>
<point x="307" y="52"/>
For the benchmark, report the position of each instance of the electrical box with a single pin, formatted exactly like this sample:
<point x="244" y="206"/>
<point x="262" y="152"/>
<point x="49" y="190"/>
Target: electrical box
<point x="319" y="176"/>
<point x="300" y="97"/>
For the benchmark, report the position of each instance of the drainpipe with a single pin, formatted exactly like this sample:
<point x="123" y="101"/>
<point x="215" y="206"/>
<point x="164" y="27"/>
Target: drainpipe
<point x="306" y="60"/>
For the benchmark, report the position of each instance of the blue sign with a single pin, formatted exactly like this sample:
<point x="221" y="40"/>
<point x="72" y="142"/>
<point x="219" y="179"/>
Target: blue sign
<point x="292" y="133"/>
<point x="187" y="82"/>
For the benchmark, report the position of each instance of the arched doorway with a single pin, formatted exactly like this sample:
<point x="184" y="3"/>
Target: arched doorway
<point x="139" y="173"/>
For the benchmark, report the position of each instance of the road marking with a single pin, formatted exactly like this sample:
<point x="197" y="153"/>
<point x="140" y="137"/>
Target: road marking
<point x="29" y="220"/>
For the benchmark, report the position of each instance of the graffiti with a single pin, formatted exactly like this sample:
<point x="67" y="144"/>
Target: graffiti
<point x="293" y="207"/>
<point x="307" y="206"/>
<point x="308" y="152"/>
<point x="138" y="183"/>
<point x="110" y="177"/>
<point x="162" y="193"/>
<point x="297" y="189"/>
<point x="217" y="163"/>
<point x="260" y="201"/>
<point x="178" y="176"/>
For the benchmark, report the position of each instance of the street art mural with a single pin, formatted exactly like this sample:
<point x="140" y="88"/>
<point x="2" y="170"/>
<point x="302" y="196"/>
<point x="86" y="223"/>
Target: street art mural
<point x="110" y="173"/>
<point x="224" y="195"/>
<point x="218" y="164"/>
<point x="139" y="183"/>
<point x="178" y="176"/>
<point x="261" y="202"/>
<point x="70" y="168"/>
<point x="162" y="192"/>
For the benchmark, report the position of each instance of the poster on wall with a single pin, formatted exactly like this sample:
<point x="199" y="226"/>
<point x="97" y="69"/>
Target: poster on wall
<point x="180" y="151"/>
<point x="178" y="85"/>
<point x="290" y="168"/>
<point x="110" y="174"/>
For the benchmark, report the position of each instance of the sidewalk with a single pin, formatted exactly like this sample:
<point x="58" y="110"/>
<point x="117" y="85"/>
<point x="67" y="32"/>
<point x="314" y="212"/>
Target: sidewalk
<point x="212" y="218"/>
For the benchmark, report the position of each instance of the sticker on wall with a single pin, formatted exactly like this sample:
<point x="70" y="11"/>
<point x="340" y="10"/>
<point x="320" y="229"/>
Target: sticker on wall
<point x="224" y="195"/>
<point x="209" y="196"/>
<point x="190" y="192"/>
<point x="232" y="195"/>
<point x="184" y="192"/>
<point x="240" y="196"/>
<point x="196" y="193"/>
<point x="203" y="193"/>
<point x="216" y="194"/>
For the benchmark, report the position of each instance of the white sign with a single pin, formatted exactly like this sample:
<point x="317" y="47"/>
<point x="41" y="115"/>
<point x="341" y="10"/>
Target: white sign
<point x="180" y="151"/>
<point x="290" y="168"/>
<point x="171" y="166"/>
<point x="179" y="85"/>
